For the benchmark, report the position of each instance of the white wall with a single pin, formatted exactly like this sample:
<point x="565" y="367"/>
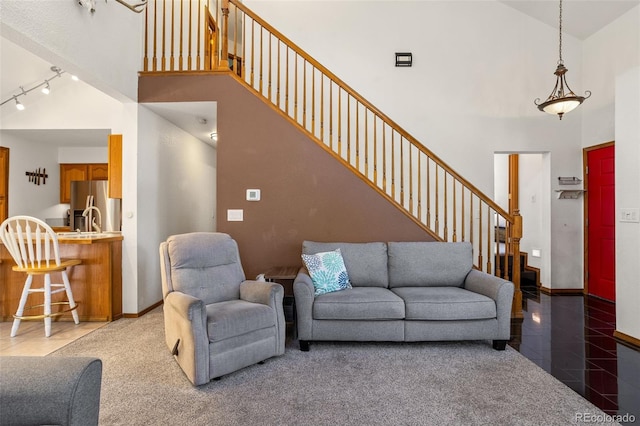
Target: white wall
<point x="612" y="72"/>
<point x="41" y="201"/>
<point x="478" y="67"/>
<point x="533" y="188"/>
<point x="627" y="196"/>
<point x="176" y="193"/>
<point x="68" y="155"/>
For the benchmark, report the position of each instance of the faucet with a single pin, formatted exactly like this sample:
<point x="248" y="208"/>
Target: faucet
<point x="92" y="220"/>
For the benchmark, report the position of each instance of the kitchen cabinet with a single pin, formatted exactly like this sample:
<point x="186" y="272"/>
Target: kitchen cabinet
<point x="98" y="171"/>
<point x="79" y="171"/>
<point x="115" y="166"/>
<point x="4" y="183"/>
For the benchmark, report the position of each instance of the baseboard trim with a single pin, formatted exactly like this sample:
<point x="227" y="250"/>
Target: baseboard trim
<point x="626" y="339"/>
<point x="141" y="313"/>
<point x="562" y="291"/>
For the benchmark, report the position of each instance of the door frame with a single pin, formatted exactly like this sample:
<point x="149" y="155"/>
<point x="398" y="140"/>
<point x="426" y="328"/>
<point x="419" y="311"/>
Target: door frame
<point x="585" y="210"/>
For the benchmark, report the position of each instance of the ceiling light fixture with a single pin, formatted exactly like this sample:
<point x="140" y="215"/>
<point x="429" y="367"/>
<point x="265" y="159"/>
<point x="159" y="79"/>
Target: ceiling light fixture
<point x="46" y="89"/>
<point x="562" y="99"/>
<point x="19" y="106"/>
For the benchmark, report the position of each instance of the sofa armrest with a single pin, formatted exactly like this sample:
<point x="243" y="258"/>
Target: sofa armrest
<point x="500" y="290"/>
<point x="303" y="292"/>
<point x="50" y="390"/>
<point x="270" y="294"/>
<point x="185" y="323"/>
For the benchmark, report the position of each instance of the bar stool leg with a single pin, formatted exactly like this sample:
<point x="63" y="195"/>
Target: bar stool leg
<point x="23" y="301"/>
<point x="47" y="305"/>
<point x="72" y="303"/>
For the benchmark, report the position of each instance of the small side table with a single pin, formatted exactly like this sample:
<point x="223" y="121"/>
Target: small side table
<point x="285" y="275"/>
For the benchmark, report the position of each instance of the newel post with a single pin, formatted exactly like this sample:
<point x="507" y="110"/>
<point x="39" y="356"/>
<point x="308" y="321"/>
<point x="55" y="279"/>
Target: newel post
<point x="516" y="234"/>
<point x="224" y="53"/>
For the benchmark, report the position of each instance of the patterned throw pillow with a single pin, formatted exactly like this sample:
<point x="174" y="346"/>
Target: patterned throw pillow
<point x="327" y="271"/>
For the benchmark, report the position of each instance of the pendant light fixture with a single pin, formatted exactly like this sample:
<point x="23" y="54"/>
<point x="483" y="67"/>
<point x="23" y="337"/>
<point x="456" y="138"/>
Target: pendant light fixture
<point x="562" y="99"/>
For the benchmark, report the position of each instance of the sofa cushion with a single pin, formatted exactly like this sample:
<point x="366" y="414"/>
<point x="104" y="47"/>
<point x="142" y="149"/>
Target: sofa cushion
<point x="445" y="303"/>
<point x="359" y="303"/>
<point x="205" y="265"/>
<point x="236" y="317"/>
<point x="366" y="263"/>
<point x="327" y="271"/>
<point x="429" y="264"/>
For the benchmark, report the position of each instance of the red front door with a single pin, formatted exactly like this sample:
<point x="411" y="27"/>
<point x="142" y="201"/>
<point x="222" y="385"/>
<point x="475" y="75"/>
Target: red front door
<point x="601" y="262"/>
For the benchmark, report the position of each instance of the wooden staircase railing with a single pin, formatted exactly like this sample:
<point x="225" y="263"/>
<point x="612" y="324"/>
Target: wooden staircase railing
<point x="344" y="123"/>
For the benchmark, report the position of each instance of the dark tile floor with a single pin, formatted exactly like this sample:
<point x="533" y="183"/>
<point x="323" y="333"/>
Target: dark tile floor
<point x="571" y="337"/>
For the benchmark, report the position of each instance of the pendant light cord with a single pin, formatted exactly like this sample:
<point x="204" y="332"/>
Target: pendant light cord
<point x="560" y="62"/>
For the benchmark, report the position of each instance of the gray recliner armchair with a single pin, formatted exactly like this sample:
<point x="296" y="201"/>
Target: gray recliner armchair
<point x="216" y="322"/>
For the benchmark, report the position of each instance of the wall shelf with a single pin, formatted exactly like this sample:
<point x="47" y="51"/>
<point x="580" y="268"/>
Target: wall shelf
<point x="569" y="180"/>
<point x="569" y="194"/>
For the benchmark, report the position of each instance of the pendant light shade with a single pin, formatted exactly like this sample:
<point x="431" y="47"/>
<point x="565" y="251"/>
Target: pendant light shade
<point x="562" y="99"/>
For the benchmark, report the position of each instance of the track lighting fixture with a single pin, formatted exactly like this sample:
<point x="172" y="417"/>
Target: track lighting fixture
<point x="46" y="89"/>
<point x="19" y="106"/>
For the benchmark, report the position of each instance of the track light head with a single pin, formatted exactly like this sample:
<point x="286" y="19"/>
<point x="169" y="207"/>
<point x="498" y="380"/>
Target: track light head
<point x="19" y="106"/>
<point x="46" y="89"/>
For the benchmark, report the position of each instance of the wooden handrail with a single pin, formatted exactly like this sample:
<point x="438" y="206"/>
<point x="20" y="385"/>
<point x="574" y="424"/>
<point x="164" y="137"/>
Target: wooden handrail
<point x="368" y="105"/>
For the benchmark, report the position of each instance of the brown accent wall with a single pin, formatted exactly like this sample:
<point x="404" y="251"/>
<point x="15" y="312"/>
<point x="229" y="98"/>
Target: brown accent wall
<point x="306" y="194"/>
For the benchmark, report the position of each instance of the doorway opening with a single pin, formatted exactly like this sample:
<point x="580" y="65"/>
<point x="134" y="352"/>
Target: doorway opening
<point x="526" y="176"/>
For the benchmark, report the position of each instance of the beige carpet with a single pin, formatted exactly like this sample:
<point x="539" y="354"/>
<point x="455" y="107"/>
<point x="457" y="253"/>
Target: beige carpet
<point x="461" y="383"/>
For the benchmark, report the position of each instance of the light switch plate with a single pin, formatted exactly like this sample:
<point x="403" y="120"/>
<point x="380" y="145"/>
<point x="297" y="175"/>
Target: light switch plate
<point x="235" y="215"/>
<point x="629" y="215"/>
<point x="253" y="195"/>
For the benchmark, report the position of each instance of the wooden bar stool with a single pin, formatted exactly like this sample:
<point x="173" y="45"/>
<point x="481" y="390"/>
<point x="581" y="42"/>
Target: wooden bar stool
<point x="34" y="247"/>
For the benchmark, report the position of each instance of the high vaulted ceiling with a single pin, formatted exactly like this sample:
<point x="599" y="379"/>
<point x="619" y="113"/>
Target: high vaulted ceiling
<point x="580" y="18"/>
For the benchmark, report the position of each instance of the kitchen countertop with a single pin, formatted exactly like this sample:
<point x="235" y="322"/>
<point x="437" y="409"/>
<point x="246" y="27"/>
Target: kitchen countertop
<point x="89" y="239"/>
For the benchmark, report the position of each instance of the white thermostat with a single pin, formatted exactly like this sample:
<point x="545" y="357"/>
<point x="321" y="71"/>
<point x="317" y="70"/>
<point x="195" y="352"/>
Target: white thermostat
<point x="253" y="195"/>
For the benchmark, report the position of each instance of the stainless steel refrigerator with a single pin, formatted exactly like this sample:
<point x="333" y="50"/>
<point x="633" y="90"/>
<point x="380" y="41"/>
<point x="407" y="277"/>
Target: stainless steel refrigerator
<point x="93" y="193"/>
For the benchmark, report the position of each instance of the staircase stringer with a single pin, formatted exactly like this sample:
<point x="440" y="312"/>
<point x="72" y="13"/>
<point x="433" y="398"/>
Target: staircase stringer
<point x="340" y="159"/>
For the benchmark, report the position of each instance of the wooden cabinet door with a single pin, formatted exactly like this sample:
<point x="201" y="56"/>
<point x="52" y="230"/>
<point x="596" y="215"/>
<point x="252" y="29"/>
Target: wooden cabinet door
<point x="115" y="166"/>
<point x="4" y="183"/>
<point x="98" y="171"/>
<point x="68" y="173"/>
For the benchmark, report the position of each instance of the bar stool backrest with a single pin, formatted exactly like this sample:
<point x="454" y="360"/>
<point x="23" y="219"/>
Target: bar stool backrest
<point x="30" y="241"/>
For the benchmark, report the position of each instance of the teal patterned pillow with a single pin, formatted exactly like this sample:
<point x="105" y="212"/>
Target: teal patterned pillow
<point x="327" y="271"/>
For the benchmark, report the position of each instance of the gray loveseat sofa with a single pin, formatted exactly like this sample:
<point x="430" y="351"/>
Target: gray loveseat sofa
<point x="405" y="292"/>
